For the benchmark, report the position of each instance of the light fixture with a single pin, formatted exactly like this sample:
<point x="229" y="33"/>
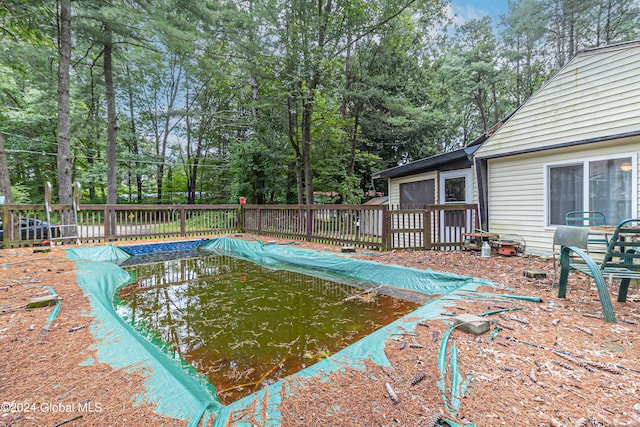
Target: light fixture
<point x="626" y="166"/>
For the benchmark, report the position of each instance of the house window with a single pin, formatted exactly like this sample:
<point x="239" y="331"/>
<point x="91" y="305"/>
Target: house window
<point x="417" y="194"/>
<point x="455" y="190"/>
<point x="603" y="185"/>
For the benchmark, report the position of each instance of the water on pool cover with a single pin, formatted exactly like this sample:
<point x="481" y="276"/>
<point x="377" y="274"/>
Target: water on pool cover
<point x="245" y="326"/>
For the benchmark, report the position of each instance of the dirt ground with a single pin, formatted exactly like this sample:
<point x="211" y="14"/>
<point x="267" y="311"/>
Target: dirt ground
<point x="549" y="363"/>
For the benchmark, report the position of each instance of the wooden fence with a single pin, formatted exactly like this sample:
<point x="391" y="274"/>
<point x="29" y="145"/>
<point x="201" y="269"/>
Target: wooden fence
<point x="366" y="226"/>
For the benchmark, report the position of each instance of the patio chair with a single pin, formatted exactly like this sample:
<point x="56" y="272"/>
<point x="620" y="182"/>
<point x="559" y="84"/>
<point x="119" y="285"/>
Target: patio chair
<point x="585" y="218"/>
<point x="567" y="235"/>
<point x="590" y="219"/>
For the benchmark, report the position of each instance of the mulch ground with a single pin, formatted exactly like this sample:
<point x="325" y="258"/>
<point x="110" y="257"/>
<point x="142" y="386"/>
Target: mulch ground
<point x="554" y="363"/>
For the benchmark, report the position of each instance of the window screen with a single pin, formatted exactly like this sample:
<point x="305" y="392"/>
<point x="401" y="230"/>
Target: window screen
<point x="417" y="194"/>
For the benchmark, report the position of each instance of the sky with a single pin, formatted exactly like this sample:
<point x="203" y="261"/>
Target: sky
<point x="465" y="10"/>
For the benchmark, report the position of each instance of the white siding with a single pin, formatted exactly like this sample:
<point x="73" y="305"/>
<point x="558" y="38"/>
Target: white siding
<point x="517" y="194"/>
<point x="595" y="96"/>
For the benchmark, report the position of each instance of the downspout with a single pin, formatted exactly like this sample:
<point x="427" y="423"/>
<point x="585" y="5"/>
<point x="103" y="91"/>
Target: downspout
<point x="483" y="192"/>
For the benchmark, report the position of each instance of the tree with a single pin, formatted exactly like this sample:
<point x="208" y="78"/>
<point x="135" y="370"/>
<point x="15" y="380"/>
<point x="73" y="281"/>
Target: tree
<point x="5" y="181"/>
<point x="65" y="169"/>
<point x="523" y="37"/>
<point x="477" y="76"/>
<point x="616" y="20"/>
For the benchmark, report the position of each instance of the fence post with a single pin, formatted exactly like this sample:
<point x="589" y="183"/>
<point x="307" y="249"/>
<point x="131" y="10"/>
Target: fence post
<point x="183" y="222"/>
<point x="5" y="225"/>
<point x="241" y="218"/>
<point x="427" y="240"/>
<point x="309" y="223"/>
<point x="386" y="226"/>
<point x="107" y="225"/>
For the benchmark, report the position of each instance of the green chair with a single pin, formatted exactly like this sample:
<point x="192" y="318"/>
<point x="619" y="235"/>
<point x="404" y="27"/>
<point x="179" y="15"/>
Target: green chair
<point x="585" y="218"/>
<point x="590" y="219"/>
<point x="567" y="235"/>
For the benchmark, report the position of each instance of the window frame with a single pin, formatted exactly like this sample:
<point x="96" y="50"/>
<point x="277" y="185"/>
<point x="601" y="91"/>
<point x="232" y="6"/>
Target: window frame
<point x="585" y="161"/>
<point x="453" y="174"/>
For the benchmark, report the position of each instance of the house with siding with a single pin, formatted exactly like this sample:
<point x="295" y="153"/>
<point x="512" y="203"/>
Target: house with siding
<point x="572" y="146"/>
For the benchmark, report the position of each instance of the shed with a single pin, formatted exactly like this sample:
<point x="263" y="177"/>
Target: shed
<point x="442" y="178"/>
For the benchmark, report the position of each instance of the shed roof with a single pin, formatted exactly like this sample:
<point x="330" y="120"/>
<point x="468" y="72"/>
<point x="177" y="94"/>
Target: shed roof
<point x="457" y="159"/>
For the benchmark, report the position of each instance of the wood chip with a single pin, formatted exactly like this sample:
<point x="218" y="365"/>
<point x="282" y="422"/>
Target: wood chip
<point x="392" y="394"/>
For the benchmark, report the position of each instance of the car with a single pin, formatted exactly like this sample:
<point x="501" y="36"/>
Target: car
<point x="32" y="229"/>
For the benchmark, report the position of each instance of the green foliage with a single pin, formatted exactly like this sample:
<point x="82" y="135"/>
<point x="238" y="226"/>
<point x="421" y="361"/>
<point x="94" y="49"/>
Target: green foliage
<point x="216" y="100"/>
<point x="20" y="194"/>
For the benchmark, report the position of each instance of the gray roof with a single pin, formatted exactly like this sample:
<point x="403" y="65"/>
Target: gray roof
<point x="454" y="159"/>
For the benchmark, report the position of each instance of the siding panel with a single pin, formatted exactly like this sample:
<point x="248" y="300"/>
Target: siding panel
<point x="517" y="194"/>
<point x="596" y="95"/>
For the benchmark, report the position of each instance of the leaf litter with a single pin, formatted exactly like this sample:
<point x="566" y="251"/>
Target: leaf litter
<point x="554" y="363"/>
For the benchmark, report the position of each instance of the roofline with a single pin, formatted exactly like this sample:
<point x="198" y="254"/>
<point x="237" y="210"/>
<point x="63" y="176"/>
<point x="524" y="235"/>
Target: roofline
<point x="608" y="46"/>
<point x="562" y="145"/>
<point x="428" y="163"/>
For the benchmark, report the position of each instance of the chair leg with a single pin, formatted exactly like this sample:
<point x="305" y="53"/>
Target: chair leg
<point x="624" y="287"/>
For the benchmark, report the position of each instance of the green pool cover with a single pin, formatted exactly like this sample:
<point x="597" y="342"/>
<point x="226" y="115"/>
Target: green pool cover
<point x="177" y="390"/>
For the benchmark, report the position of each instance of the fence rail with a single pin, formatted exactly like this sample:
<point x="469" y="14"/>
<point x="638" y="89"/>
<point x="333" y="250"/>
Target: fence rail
<point x="367" y="226"/>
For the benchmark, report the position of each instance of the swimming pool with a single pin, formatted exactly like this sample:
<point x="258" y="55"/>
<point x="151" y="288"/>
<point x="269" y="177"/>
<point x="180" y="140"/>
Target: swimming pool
<point x="178" y="390"/>
<point x="245" y="326"/>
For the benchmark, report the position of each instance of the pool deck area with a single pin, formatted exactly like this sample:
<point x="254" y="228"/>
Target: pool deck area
<point x="66" y="352"/>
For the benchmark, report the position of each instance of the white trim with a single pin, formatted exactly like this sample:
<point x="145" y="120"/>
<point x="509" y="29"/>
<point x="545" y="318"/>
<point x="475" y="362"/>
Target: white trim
<point x="468" y="184"/>
<point x="584" y="161"/>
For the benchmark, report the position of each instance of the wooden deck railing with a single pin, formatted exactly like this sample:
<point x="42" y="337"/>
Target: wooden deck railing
<point x="432" y="226"/>
<point x="130" y="222"/>
<point x="376" y="227"/>
<point x="359" y="225"/>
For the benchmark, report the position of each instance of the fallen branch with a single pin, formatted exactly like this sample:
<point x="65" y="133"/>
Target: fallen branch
<point x="257" y="384"/>
<point x="236" y="387"/>
<point x="67" y="421"/>
<point x="360" y="294"/>
<point x="12" y="309"/>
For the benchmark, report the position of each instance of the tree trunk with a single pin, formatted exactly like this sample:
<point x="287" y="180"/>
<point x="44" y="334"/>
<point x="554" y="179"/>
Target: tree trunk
<point x="306" y="150"/>
<point x="5" y="181"/>
<point x="135" y="149"/>
<point x="112" y="125"/>
<point x="168" y="127"/>
<point x="351" y="117"/>
<point x="65" y="179"/>
<point x="292" y="115"/>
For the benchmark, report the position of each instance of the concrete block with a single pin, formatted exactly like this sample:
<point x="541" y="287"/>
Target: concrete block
<point x="535" y="273"/>
<point x="472" y="324"/>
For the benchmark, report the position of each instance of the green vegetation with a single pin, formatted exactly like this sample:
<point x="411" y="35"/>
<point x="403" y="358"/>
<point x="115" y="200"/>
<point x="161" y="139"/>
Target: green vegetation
<point x="166" y="101"/>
